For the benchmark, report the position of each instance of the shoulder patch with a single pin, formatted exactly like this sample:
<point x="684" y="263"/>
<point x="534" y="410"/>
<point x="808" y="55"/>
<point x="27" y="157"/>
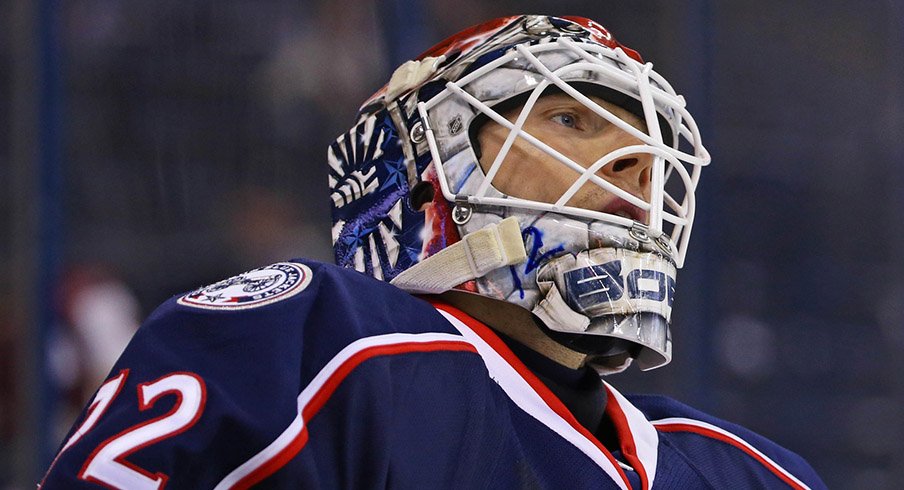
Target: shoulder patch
<point x="251" y="289"/>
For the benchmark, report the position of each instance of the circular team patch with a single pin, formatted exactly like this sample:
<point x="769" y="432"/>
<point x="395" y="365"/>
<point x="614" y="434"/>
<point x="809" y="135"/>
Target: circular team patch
<point x="251" y="289"/>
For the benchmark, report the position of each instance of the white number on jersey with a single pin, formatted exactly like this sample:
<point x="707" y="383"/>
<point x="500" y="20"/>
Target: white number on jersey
<point x="107" y="464"/>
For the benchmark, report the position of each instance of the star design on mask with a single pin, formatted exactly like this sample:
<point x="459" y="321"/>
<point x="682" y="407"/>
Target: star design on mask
<point x="357" y="236"/>
<point x="390" y="138"/>
<point x="395" y="173"/>
<point x="411" y="243"/>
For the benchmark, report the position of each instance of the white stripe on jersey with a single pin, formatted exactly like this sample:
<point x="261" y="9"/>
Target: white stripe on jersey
<point x="298" y="423"/>
<point x="520" y="392"/>
<point x="646" y="439"/>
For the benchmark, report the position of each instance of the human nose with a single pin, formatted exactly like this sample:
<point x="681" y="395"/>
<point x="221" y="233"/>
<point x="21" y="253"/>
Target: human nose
<point x="631" y="173"/>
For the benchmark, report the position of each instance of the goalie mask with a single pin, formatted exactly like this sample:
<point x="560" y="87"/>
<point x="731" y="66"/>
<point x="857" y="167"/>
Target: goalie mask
<point x="451" y="180"/>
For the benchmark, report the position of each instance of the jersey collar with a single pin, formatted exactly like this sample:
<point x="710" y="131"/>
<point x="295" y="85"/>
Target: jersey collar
<point x="638" y="438"/>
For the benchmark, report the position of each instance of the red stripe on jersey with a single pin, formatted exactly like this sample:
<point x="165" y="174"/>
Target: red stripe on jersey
<point x="329" y="387"/>
<point x="552" y="400"/>
<point x="625" y="437"/>
<point x="705" y="432"/>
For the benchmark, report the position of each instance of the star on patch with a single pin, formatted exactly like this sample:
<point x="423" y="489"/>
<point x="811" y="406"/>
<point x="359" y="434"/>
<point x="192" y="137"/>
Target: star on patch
<point x="276" y="282"/>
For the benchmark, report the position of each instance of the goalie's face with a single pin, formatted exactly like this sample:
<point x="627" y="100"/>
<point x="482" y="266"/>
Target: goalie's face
<point x="578" y="133"/>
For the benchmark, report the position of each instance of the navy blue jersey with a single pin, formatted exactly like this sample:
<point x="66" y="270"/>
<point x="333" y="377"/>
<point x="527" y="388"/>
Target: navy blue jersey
<point x="305" y="375"/>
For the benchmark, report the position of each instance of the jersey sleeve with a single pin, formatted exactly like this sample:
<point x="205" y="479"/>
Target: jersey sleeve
<point x="214" y="378"/>
<point x="178" y="411"/>
<point x="195" y="392"/>
<point x="726" y="454"/>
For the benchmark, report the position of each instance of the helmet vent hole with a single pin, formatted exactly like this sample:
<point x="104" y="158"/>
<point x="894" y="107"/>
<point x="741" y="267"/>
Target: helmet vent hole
<point x="421" y="194"/>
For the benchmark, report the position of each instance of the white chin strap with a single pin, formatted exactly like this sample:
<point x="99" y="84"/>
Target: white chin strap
<point x="479" y="252"/>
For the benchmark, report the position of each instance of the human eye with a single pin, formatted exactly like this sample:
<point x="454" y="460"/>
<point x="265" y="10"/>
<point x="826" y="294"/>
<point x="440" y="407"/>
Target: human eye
<point x="567" y="119"/>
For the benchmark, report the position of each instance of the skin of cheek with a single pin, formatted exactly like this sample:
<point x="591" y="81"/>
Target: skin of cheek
<point x="530" y="173"/>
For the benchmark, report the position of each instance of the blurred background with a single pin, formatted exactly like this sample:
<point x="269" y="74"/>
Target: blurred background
<point x="148" y="148"/>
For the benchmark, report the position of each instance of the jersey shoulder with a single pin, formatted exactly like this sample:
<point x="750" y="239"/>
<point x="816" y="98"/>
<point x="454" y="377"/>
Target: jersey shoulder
<point x="216" y="374"/>
<point x="298" y="295"/>
<point x="719" y="447"/>
<point x="293" y="313"/>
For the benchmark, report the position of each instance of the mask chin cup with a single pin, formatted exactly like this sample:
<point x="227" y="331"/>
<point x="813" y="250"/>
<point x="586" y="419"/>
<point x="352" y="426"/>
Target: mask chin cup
<point x="608" y="302"/>
<point x="648" y="332"/>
